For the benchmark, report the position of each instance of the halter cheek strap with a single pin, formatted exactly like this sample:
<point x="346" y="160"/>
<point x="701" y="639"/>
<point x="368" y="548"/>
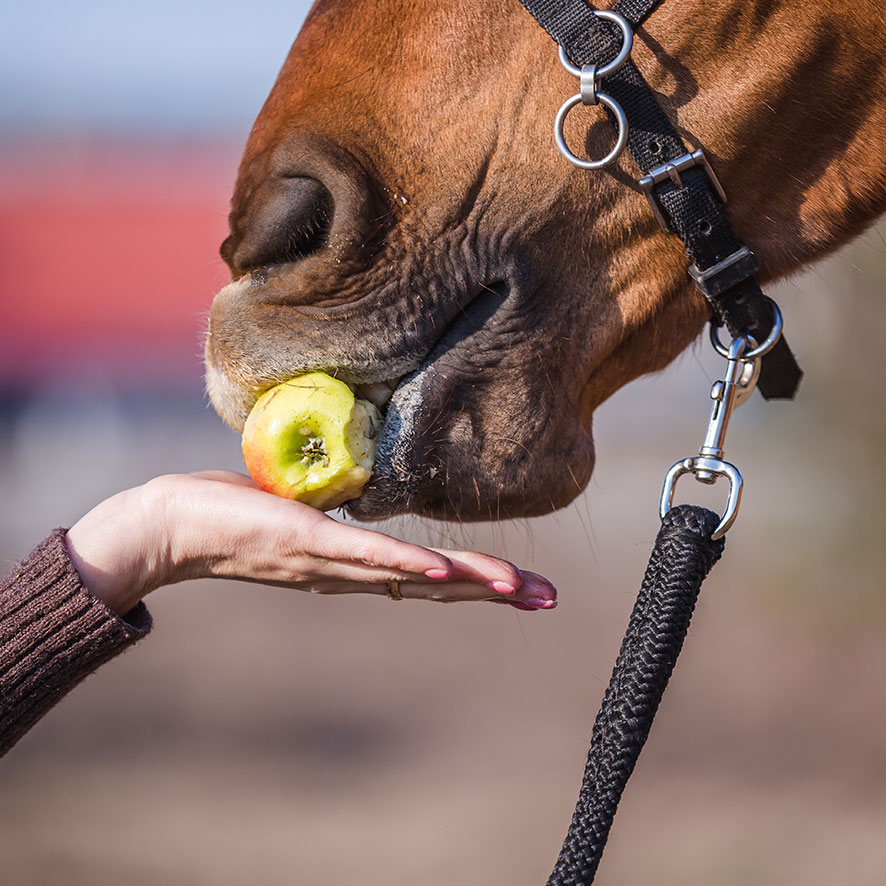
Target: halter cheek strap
<point x="680" y="185"/>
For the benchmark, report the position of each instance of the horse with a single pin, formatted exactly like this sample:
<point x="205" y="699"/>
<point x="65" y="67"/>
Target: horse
<point x="402" y="219"/>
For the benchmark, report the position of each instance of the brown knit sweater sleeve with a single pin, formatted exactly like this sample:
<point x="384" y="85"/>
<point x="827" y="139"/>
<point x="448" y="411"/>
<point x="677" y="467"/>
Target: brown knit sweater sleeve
<point x="53" y="634"/>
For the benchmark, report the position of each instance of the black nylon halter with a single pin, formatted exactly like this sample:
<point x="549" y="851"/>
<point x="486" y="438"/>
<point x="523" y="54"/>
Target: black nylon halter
<point x="722" y="266"/>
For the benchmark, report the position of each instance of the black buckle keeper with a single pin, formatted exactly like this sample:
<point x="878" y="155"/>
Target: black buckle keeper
<point x="726" y="274"/>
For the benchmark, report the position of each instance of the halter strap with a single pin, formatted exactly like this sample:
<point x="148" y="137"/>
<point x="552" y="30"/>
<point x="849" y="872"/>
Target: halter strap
<point x="680" y="185"/>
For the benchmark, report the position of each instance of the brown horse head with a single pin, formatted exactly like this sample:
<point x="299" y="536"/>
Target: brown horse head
<point x="403" y="220"/>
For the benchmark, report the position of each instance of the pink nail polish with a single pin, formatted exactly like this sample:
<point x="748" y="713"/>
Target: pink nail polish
<point x="539" y="603"/>
<point x="437" y="573"/>
<point x="501" y="587"/>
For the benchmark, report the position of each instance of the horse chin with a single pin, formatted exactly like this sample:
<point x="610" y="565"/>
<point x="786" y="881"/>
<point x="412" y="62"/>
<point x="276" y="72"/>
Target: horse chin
<point x="438" y="456"/>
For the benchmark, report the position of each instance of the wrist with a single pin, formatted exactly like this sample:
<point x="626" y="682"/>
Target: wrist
<point x="119" y="548"/>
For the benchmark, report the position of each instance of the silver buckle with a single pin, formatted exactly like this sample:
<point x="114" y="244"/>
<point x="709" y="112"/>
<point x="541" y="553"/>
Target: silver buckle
<point x="672" y="170"/>
<point x="722" y="276"/>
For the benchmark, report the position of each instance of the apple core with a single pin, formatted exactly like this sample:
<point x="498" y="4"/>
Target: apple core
<point x="310" y="439"/>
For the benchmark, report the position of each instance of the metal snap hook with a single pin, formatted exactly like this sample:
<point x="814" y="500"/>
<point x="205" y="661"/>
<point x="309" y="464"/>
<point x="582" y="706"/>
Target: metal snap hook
<point x="707" y="467"/>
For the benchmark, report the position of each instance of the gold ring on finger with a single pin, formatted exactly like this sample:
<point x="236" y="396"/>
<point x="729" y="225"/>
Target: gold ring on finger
<point x="393" y="591"/>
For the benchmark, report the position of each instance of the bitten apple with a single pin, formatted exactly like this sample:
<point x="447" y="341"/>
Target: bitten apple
<point x="311" y="440"/>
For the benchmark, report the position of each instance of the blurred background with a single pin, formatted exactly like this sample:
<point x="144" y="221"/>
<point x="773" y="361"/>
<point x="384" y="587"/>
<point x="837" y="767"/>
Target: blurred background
<point x="266" y="737"/>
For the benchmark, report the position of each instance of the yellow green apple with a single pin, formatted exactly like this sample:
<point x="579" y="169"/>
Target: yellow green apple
<point x="311" y="440"/>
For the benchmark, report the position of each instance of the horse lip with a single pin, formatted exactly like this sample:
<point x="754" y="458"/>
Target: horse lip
<point x="391" y="474"/>
<point x="392" y="485"/>
<point x="397" y="482"/>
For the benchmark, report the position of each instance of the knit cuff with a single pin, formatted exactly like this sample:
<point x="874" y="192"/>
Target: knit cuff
<point x="53" y="634"/>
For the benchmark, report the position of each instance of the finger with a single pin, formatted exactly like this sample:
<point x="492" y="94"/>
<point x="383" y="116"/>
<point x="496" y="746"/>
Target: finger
<point x="497" y="574"/>
<point x="469" y="581"/>
<point x="455" y="590"/>
<point x="438" y="592"/>
<point x="448" y="592"/>
<point x="536" y="592"/>
<point x="338" y="541"/>
<point x="322" y="569"/>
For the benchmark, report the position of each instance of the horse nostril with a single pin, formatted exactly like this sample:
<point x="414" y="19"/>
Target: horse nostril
<point x="288" y="219"/>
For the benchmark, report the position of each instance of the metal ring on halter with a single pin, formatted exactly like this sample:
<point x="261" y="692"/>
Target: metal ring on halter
<point x="759" y="350"/>
<point x="588" y="76"/>
<point x="627" y="41"/>
<point x="620" y="119"/>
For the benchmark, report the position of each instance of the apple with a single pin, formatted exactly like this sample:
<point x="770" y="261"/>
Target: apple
<point x="311" y="440"/>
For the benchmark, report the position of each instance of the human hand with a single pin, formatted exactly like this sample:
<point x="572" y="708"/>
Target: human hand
<point x="218" y="524"/>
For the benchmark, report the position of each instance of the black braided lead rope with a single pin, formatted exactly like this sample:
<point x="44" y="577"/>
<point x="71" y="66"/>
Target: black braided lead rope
<point x="680" y="561"/>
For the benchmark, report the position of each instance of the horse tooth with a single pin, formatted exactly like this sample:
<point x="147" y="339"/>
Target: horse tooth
<point x="378" y="393"/>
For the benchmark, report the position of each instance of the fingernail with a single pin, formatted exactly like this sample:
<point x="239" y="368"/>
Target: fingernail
<point x="539" y="603"/>
<point x="437" y="573"/>
<point x="501" y="587"/>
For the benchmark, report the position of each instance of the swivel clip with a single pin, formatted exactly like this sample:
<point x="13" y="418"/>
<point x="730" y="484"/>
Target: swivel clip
<point x="589" y="77"/>
<point x="728" y="393"/>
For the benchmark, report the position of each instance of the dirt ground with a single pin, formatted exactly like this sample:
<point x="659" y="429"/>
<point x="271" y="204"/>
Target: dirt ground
<point x="264" y="737"/>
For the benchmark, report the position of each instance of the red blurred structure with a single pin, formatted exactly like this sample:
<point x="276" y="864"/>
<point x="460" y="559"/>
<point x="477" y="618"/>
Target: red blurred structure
<point x="109" y="260"/>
